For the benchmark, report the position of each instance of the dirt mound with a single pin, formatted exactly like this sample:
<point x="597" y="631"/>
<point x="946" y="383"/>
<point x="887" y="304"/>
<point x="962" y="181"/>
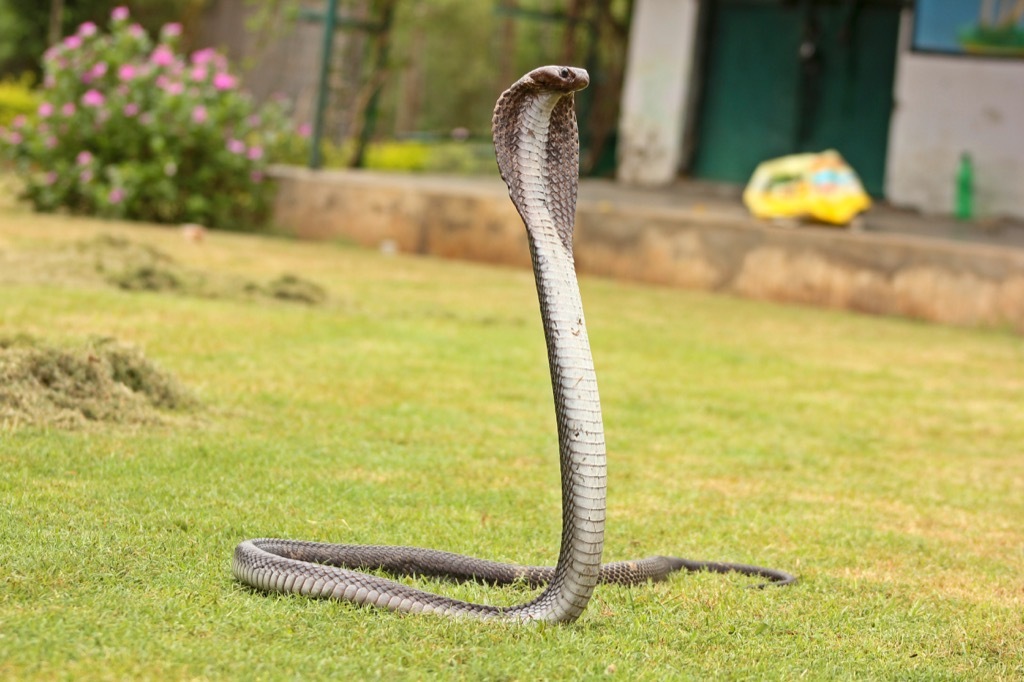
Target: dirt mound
<point x="101" y="380"/>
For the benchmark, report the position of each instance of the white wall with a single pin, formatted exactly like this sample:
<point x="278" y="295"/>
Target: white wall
<point x="949" y="105"/>
<point x="656" y="90"/>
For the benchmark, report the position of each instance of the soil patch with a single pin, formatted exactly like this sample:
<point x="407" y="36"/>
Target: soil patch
<point x="100" y="380"/>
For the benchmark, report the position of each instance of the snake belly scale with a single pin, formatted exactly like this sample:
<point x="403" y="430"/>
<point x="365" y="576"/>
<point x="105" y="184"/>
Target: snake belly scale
<point x="537" y="149"/>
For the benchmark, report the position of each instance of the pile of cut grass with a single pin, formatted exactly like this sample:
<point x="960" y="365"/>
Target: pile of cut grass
<point x="131" y="265"/>
<point x="99" y="380"/>
<point x="135" y="266"/>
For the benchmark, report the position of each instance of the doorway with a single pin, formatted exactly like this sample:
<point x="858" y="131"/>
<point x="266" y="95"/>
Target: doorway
<point x="789" y="76"/>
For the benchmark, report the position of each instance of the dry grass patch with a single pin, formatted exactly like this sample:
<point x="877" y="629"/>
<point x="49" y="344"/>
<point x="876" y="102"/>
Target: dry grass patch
<point x="67" y="386"/>
<point x="131" y="265"/>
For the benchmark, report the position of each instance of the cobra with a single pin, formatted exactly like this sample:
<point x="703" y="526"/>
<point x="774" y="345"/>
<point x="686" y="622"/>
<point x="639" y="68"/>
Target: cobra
<point x="537" y="148"/>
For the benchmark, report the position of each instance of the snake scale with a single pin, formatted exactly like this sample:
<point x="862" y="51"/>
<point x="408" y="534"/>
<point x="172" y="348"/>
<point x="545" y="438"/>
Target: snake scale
<point x="537" y="146"/>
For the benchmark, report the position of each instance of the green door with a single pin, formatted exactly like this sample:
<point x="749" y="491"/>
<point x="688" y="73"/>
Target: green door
<point x="783" y="77"/>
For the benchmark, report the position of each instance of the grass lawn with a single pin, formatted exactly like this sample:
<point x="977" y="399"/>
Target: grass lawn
<point x="881" y="460"/>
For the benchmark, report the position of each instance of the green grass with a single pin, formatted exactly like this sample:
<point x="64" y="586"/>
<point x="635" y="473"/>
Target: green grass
<point x="881" y="460"/>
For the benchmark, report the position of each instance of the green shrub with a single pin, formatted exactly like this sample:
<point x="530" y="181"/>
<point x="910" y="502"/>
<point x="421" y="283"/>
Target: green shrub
<point x="447" y="156"/>
<point x="464" y="158"/>
<point x="450" y="157"/>
<point x="404" y="156"/>
<point x="129" y="129"/>
<point x="17" y="99"/>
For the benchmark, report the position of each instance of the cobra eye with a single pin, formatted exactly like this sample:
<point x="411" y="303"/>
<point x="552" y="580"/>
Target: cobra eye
<point x="564" y="73"/>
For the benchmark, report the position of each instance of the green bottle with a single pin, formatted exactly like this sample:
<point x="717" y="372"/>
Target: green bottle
<point x="965" y="188"/>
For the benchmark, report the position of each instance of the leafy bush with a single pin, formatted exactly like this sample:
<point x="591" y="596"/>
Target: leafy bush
<point x="408" y="156"/>
<point x="458" y="157"/>
<point x="17" y="99"/>
<point x="130" y="129"/>
<point x="25" y="24"/>
<point x="398" y="156"/>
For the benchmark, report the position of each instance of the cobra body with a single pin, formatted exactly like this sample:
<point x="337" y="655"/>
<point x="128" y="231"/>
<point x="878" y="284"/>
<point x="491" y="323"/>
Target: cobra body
<point x="537" y="150"/>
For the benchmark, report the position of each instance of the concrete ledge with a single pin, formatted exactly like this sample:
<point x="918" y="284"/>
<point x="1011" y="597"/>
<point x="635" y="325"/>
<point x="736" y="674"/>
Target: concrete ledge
<point x="644" y="237"/>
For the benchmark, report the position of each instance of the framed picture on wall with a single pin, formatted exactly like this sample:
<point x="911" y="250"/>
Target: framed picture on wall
<point x="989" y="28"/>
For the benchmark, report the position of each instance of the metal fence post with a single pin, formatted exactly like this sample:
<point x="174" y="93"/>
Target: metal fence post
<point x="315" y="155"/>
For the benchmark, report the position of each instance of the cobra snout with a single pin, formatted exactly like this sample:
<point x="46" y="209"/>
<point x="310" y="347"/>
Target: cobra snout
<point x="560" y="78"/>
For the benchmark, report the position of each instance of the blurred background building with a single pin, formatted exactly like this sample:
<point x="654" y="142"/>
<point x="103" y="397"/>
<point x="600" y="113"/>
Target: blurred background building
<point x="908" y="92"/>
<point x="712" y="88"/>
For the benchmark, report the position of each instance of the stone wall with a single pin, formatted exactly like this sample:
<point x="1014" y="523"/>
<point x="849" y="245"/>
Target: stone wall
<point x="722" y="251"/>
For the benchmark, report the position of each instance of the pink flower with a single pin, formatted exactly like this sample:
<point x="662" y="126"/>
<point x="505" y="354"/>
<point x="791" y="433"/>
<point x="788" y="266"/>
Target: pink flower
<point x="45" y="110"/>
<point x="19" y="121"/>
<point x="73" y="42"/>
<point x="255" y="153"/>
<point x="136" y="31"/>
<point x="87" y="29"/>
<point x="174" y="88"/>
<point x="236" y="146"/>
<point x="51" y="142"/>
<point x="84" y="158"/>
<point x="116" y="195"/>
<point x="256" y="177"/>
<point x="119" y="13"/>
<point x="172" y="30"/>
<point x="224" y="81"/>
<point x="199" y="114"/>
<point x="93" y="98"/>
<point x="68" y="109"/>
<point x="305" y="130"/>
<point x="98" y="70"/>
<point x="49" y="81"/>
<point x="205" y="56"/>
<point x="50" y="178"/>
<point x="85" y="176"/>
<point x="14" y="137"/>
<point x="130" y="109"/>
<point x="126" y="72"/>
<point x="162" y="56"/>
<point x="199" y="73"/>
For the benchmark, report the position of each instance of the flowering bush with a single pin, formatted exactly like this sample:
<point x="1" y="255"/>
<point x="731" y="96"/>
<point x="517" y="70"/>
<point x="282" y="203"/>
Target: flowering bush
<point x="131" y="129"/>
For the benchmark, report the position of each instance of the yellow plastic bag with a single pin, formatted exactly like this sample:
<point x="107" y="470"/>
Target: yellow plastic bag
<point x="819" y="186"/>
